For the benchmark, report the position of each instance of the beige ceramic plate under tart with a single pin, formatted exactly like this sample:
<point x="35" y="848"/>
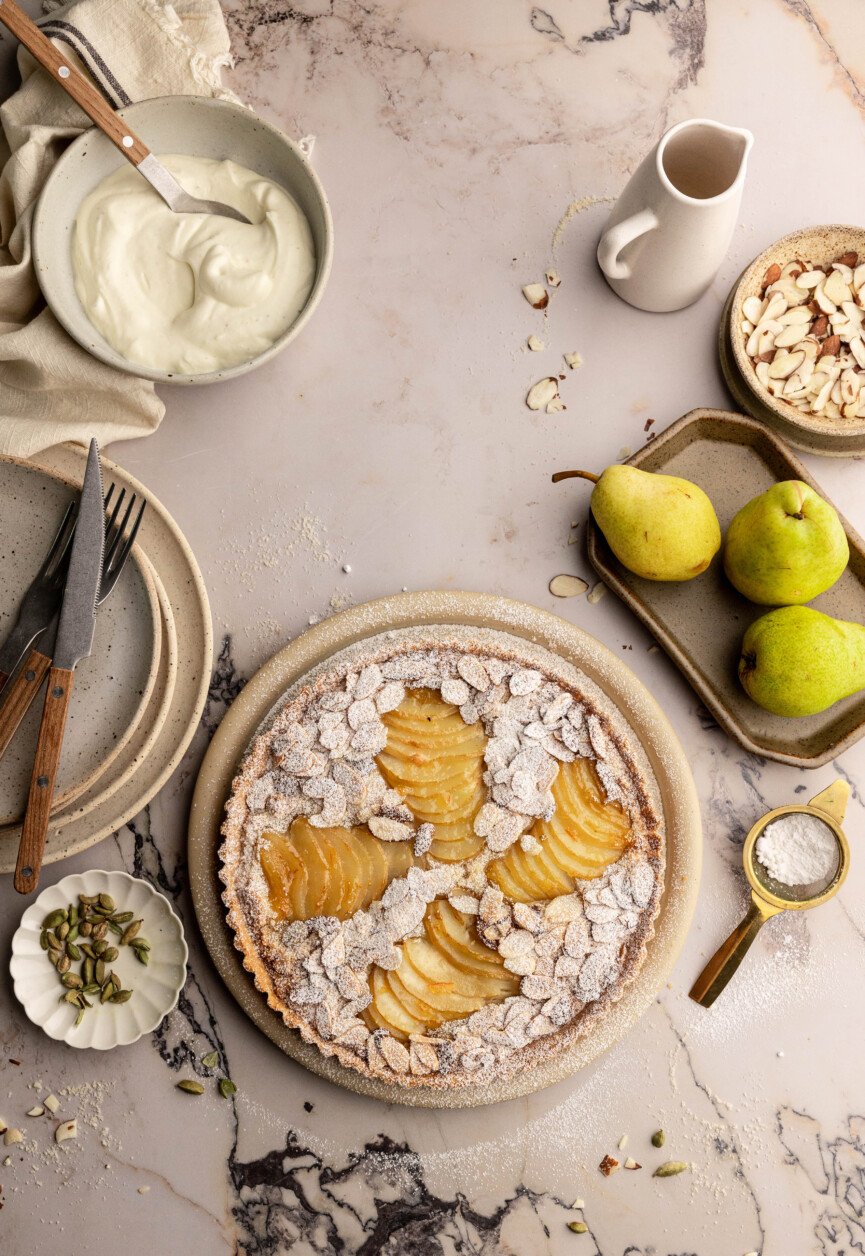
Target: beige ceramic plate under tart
<point x="147" y="762"/>
<point x="835" y="438"/>
<point x="113" y="686"/>
<point x="666" y="756"/>
<point x="700" y="623"/>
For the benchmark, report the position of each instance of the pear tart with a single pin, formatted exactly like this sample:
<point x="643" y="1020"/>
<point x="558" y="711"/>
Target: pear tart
<point x="443" y="855"/>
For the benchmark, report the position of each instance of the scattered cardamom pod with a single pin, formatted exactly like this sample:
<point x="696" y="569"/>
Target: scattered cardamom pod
<point x="79" y="1018"/>
<point x="54" y="918"/>
<point x="670" y="1168"/>
<point x="90" y="988"/>
<point x="110" y="954"/>
<point x="106" y="901"/>
<point x="227" y="1087"/>
<point x="121" y="996"/>
<point x="85" y="928"/>
<point x="62" y="931"/>
<point x="87" y="900"/>
<point x="55" y="957"/>
<point x="143" y="957"/>
<point x="72" y="915"/>
<point x="88" y="969"/>
<point x="578" y="1227"/>
<point x="140" y="944"/>
<point x="190" y="1087"/>
<point x="211" y="1059"/>
<point x="107" y="991"/>
<point x="72" y="950"/>
<point x="43" y="939"/>
<point x="54" y="943"/>
<point x="658" y="1138"/>
<point x="71" y="996"/>
<point x="100" y="947"/>
<point x="100" y="932"/>
<point x="116" y="929"/>
<point x="130" y="932"/>
<point x="99" y="971"/>
<point x="72" y="934"/>
<point x="64" y="963"/>
<point x="122" y="917"/>
<point x="72" y="981"/>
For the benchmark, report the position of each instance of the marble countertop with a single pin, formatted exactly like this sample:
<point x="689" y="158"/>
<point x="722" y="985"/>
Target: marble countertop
<point x="465" y="148"/>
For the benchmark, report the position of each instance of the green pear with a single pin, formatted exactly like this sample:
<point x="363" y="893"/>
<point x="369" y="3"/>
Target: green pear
<point x="658" y="526"/>
<point x="797" y="661"/>
<point x="785" y="547"/>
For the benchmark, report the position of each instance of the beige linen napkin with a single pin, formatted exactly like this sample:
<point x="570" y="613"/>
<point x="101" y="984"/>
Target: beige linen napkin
<point x="50" y="389"/>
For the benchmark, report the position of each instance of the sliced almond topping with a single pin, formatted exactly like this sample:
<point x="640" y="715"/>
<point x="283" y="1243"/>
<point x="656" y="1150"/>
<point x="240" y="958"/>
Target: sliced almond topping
<point x="542" y="393"/>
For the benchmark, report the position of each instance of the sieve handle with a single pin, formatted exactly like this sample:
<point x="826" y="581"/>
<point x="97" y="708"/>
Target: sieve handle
<point x="730" y="954"/>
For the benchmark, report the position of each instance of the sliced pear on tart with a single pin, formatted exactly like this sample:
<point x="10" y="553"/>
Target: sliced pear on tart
<point x="436" y="762"/>
<point x="444" y="975"/>
<point x="585" y="835"/>
<point x="331" y="871"/>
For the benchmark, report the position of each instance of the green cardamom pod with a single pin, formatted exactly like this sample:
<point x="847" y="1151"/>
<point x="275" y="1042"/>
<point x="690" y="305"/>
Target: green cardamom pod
<point x="110" y="954"/>
<point x="190" y="1087"/>
<point x="72" y="915"/>
<point x="62" y="931"/>
<point x="227" y="1087"/>
<point x="79" y="1018"/>
<point x="122" y="917"/>
<point x="658" y="1138"/>
<point x="121" y="996"/>
<point x="106" y="902"/>
<point x="54" y="918"/>
<point x="211" y="1059"/>
<point x="64" y="963"/>
<point x="143" y="957"/>
<point x="578" y="1227"/>
<point x="670" y="1168"/>
<point x="130" y="932"/>
<point x="99" y="971"/>
<point x="91" y="988"/>
<point x="72" y="950"/>
<point x="85" y="928"/>
<point x="107" y="991"/>
<point x="72" y="981"/>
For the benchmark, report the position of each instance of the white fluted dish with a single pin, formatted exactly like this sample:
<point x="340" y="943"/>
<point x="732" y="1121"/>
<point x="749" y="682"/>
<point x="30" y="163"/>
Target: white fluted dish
<point x="156" y="987"/>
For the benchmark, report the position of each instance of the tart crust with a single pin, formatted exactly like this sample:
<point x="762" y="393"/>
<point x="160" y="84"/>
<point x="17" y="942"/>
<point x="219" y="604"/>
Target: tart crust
<point x="285" y="959"/>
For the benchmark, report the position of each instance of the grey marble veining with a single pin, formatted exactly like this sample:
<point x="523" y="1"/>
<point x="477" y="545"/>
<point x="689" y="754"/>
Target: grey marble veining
<point x="465" y="148"/>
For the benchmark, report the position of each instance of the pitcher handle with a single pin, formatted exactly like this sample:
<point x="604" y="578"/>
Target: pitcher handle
<point x="615" y="238"/>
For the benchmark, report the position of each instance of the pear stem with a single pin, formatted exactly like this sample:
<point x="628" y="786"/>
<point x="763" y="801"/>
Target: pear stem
<point x="570" y="475"/>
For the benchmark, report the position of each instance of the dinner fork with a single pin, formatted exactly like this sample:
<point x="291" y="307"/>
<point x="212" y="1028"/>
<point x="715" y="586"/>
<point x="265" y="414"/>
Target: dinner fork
<point x="119" y="540"/>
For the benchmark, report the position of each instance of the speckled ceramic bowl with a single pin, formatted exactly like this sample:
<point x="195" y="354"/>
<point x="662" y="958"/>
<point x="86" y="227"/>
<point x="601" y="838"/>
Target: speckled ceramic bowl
<point x="156" y="986"/>
<point x="834" y="437"/>
<point x="172" y="124"/>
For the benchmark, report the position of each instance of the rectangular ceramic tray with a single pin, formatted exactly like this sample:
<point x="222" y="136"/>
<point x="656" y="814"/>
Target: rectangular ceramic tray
<point x="700" y="623"/>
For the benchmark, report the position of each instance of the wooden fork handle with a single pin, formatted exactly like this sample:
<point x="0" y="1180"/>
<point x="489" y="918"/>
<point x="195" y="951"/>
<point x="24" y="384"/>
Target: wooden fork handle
<point x="72" y="81"/>
<point x="32" y="845"/>
<point x="16" y="699"/>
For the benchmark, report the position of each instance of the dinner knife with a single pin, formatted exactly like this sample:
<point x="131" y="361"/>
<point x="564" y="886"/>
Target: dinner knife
<point x="74" y="642"/>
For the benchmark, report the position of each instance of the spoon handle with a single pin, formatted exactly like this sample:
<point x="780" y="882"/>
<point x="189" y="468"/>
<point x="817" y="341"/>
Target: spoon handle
<point x="730" y="954"/>
<point x="72" y="81"/>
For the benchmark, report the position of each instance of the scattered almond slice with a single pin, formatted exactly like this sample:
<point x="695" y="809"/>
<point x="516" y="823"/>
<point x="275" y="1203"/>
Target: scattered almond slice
<point x="52" y="1103"/>
<point x="553" y="278"/>
<point x="66" y="1130"/>
<point x="608" y="1165"/>
<point x="11" y="1136"/>
<point x="573" y="360"/>
<point x="542" y="393"/>
<point x="567" y="586"/>
<point x="623" y="1142"/>
<point x="556" y="405"/>
<point x="631" y="1163"/>
<point x="38" y="1110"/>
<point x="536" y="295"/>
<point x="578" y="1203"/>
<point x="534" y="344"/>
<point x="597" y="593"/>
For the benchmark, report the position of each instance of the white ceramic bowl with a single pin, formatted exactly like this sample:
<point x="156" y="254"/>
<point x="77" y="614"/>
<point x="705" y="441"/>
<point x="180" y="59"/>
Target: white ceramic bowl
<point x="156" y="987"/>
<point x="172" y="124"/>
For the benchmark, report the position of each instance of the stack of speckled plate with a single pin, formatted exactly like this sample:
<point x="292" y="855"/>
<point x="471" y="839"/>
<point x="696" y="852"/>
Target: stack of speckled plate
<point x="139" y="697"/>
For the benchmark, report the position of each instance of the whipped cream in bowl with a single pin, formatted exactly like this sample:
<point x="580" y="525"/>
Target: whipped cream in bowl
<point x="184" y="298"/>
<point x="192" y="293"/>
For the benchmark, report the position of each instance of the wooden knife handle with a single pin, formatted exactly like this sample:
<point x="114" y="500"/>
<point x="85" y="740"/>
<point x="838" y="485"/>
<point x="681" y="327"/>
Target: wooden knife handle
<point x="4" y="676"/>
<point x="16" y="699"/>
<point x="32" y="845"/>
<point x="72" y="81"/>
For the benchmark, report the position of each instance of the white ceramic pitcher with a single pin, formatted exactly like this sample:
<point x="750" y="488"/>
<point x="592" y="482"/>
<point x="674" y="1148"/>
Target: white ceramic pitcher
<point x="670" y="229"/>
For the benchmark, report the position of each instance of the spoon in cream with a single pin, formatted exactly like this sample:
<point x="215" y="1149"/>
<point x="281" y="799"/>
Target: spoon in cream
<point x="110" y="123"/>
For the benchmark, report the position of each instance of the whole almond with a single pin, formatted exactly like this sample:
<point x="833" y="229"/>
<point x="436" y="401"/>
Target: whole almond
<point x="772" y="275"/>
<point x="830" y="345"/>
